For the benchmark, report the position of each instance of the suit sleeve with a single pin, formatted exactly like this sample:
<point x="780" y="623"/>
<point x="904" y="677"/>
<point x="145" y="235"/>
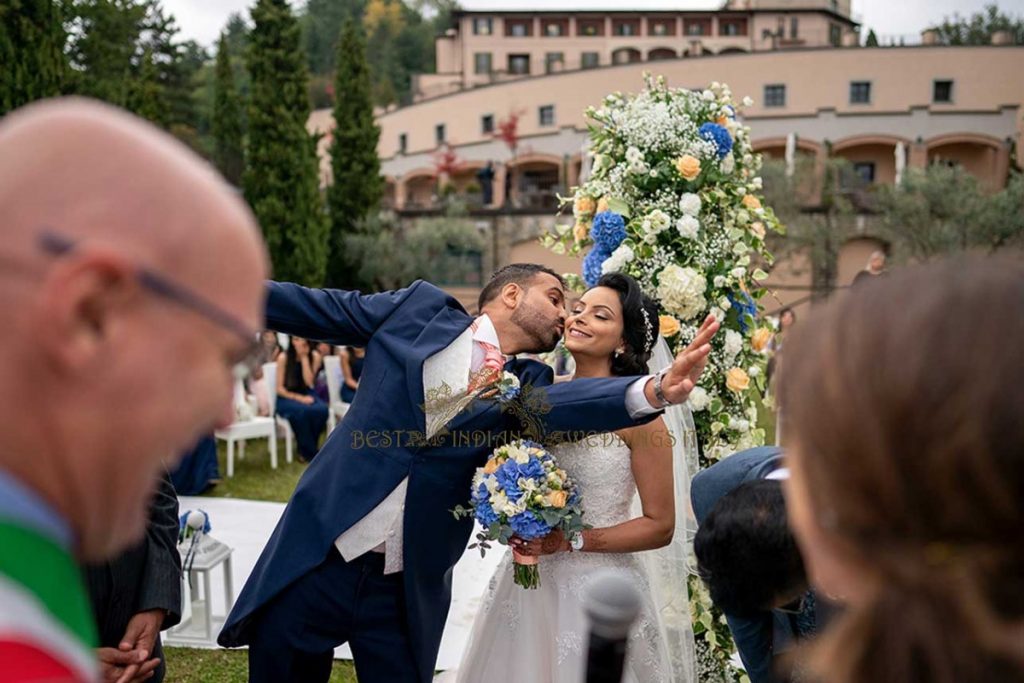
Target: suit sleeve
<point x="343" y="318"/>
<point x="160" y="584"/>
<point x="753" y="637"/>
<point x="711" y="484"/>
<point x="580" y="408"/>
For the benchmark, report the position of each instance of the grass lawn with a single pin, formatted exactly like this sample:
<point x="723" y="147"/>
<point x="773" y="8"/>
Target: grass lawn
<point x="190" y="665"/>
<point x="254" y="480"/>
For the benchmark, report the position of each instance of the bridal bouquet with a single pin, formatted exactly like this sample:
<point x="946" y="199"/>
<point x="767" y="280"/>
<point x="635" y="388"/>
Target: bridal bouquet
<point x="522" y="492"/>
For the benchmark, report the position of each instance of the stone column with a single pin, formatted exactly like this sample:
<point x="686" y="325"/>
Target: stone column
<point x="917" y="155"/>
<point x="500" y="171"/>
<point x="400" y="193"/>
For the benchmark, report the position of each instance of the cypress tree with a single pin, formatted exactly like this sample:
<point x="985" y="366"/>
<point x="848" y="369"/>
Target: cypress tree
<point x="227" y="126"/>
<point x="872" y="39"/>
<point x="31" y="52"/>
<point x="357" y="184"/>
<point x="281" y="179"/>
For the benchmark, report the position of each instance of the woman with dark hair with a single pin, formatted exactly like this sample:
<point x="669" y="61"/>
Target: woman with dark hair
<point x="541" y="635"/>
<point x="905" y="442"/>
<point x="296" y="400"/>
<point x="352" y="359"/>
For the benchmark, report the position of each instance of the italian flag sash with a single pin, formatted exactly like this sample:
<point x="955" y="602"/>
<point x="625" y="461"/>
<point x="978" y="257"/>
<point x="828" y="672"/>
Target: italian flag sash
<point x="46" y="623"/>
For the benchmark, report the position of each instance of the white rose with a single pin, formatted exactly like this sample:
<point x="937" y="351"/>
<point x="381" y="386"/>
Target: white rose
<point x="728" y="163"/>
<point x="733" y="344"/>
<point x="748" y="159"/>
<point x="718" y="314"/>
<point x="690" y="204"/>
<point x="754" y="371"/>
<point x="720" y="281"/>
<point x="739" y="424"/>
<point x="633" y="155"/>
<point x="738" y="272"/>
<point x="699" y="399"/>
<point x="757" y="183"/>
<point x="618" y="260"/>
<point x="724" y="303"/>
<point x="708" y="96"/>
<point x="748" y="101"/>
<point x="687" y="226"/>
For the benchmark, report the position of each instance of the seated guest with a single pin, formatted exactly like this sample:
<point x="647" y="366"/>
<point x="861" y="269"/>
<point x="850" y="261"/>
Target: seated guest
<point x="749" y="559"/>
<point x="320" y="384"/>
<point x="296" y="401"/>
<point x="138" y="594"/>
<point x="352" y="359"/>
<point x="199" y="470"/>
<point x="255" y="383"/>
<point x="906" y="451"/>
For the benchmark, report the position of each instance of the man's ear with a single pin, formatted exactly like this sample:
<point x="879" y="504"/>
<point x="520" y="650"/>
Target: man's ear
<point x="79" y="302"/>
<point x="512" y="294"/>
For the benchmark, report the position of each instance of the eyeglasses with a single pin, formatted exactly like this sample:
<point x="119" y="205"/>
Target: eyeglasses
<point x="163" y="286"/>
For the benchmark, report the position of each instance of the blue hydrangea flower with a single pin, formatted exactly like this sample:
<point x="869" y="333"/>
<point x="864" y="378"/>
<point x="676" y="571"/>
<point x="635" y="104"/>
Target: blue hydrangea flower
<point x="608" y="231"/>
<point x="592" y="265"/>
<point x="508" y="479"/>
<point x="484" y="513"/>
<point x="712" y="132"/>
<point x="528" y="526"/>
<point x="744" y="306"/>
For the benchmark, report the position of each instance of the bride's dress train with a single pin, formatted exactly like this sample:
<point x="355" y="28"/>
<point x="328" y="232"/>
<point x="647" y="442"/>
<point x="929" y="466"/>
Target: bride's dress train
<point x="541" y="635"/>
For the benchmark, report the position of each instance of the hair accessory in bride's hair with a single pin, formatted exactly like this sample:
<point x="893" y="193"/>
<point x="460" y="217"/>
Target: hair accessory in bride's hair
<point x="648" y="330"/>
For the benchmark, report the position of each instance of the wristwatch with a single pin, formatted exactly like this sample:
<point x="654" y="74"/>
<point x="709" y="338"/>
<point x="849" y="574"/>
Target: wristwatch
<point x="658" y="393"/>
<point x="576" y="542"/>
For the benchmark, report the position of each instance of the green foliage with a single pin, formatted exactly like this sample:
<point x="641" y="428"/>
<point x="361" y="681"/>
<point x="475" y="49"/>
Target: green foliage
<point x="321" y="27"/>
<point x="943" y="209"/>
<point x="227" y="126"/>
<point x="281" y="179"/>
<point x="978" y="28"/>
<point x="32" y="62"/>
<point x="872" y="39"/>
<point x="442" y="250"/>
<point x="357" y="184"/>
<point x="194" y="665"/>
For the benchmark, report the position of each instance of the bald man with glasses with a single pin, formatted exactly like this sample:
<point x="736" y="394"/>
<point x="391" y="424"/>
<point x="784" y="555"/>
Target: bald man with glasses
<point x="131" y="285"/>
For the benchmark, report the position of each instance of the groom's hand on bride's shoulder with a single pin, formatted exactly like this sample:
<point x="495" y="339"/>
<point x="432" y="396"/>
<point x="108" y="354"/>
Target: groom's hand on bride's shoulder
<point x="681" y="377"/>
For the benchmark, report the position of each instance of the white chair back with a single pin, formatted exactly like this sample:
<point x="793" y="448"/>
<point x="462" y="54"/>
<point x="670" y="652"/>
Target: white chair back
<point x="270" y="377"/>
<point x="332" y="368"/>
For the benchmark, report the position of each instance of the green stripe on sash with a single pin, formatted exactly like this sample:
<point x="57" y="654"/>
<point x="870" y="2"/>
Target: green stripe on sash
<point x="49" y="573"/>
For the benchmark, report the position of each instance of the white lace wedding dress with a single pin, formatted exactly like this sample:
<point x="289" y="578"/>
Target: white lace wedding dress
<point x="540" y="635"/>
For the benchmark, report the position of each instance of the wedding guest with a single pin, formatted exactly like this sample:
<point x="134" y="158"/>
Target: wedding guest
<point x="352" y="358"/>
<point x="199" y="470"/>
<point x="122" y="321"/>
<point x="255" y="383"/>
<point x="138" y="594"/>
<point x="906" y="450"/>
<point x="296" y="400"/>
<point x="320" y="383"/>
<point x="875" y="267"/>
<point x="750" y="562"/>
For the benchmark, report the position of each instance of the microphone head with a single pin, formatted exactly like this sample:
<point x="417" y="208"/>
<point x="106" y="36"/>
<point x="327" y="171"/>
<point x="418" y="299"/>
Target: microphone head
<point x="612" y="603"/>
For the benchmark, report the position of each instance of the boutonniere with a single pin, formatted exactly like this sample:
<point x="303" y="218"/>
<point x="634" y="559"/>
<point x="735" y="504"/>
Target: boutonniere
<point x="507" y="387"/>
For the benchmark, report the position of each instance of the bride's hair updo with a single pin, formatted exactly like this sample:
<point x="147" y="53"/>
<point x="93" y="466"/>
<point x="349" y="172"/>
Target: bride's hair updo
<point x="639" y="324"/>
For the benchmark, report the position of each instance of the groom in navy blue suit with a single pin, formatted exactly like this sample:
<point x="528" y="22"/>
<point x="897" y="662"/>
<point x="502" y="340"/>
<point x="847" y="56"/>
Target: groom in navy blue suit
<point x="365" y="549"/>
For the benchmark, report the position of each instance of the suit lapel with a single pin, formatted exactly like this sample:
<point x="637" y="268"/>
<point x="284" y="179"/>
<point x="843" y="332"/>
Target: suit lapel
<point x="436" y="335"/>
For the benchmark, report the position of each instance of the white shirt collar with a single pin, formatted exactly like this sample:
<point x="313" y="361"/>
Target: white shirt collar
<point x="485" y="332"/>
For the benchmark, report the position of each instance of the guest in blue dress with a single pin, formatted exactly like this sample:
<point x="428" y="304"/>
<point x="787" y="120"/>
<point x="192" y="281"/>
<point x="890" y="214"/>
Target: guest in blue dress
<point x="352" y="359"/>
<point x="296" y="400"/>
<point x="198" y="471"/>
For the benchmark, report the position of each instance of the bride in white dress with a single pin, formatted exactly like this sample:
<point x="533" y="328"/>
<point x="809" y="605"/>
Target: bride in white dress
<point x="632" y="502"/>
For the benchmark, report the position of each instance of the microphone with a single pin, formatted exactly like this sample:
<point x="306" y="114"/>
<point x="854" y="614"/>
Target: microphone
<point x="612" y="604"/>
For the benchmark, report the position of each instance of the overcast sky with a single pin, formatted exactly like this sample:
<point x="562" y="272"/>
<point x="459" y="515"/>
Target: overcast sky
<point x="202" y="20"/>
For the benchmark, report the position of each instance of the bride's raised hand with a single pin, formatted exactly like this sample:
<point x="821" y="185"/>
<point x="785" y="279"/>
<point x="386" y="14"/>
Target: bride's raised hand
<point x="555" y="542"/>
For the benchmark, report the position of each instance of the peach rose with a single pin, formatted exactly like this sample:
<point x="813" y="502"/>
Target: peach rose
<point x="751" y="202"/>
<point x="583" y="205"/>
<point x="688" y="166"/>
<point x="668" y="325"/>
<point x="757" y="227"/>
<point x="580" y="230"/>
<point x="722" y="120"/>
<point x="761" y="337"/>
<point x="492" y="466"/>
<point x="557" y="499"/>
<point x="737" y="380"/>
<point x="602" y="205"/>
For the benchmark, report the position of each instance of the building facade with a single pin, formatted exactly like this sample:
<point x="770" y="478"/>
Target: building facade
<point x="879" y="108"/>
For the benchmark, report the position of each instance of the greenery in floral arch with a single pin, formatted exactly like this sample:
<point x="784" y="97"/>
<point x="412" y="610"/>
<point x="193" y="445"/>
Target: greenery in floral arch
<point x="674" y="199"/>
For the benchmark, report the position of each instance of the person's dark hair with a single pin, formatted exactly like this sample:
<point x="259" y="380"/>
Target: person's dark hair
<point x="636" y="328"/>
<point x="907" y="430"/>
<point x="521" y="274"/>
<point x="746" y="554"/>
<point x="784" y="311"/>
<point x="293" y="380"/>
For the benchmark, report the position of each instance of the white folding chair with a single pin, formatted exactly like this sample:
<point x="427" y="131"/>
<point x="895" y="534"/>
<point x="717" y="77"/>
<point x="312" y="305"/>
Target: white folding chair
<point x="338" y="408"/>
<point x="255" y="428"/>
<point x="270" y="375"/>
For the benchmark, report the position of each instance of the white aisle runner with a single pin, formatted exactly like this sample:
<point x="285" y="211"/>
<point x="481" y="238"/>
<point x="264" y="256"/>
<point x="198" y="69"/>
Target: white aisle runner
<point x="246" y="525"/>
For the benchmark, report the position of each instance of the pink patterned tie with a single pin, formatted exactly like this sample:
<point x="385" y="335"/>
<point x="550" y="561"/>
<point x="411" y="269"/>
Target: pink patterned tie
<point x="490" y="370"/>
